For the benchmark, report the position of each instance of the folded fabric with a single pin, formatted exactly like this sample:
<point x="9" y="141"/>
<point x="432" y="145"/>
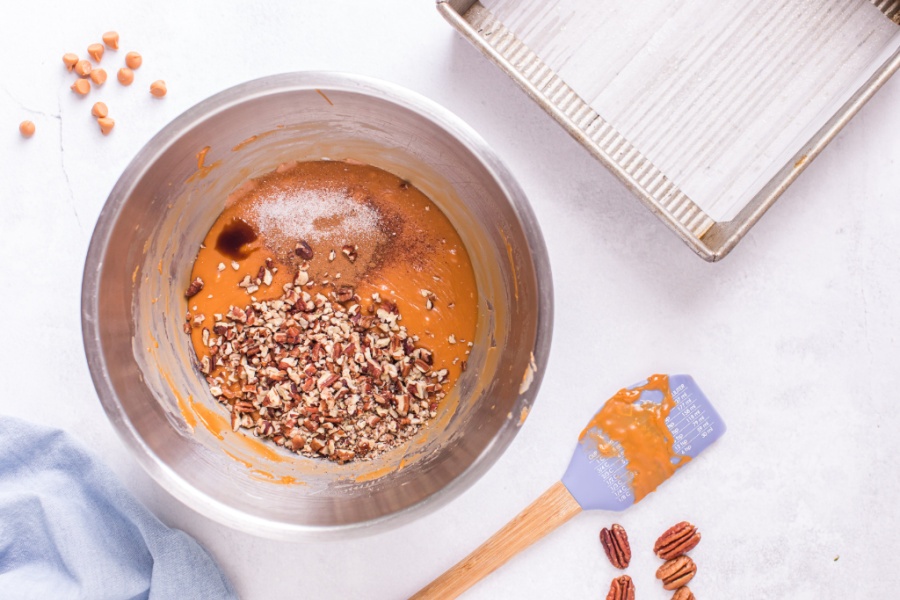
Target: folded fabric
<point x="69" y="529"/>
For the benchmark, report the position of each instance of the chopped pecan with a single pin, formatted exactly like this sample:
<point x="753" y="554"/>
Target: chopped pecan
<point x="344" y="455"/>
<point x="615" y="544"/>
<point x="676" y="572"/>
<point x="319" y="378"/>
<point x="621" y="588"/>
<point x="683" y="593"/>
<point x="677" y="540"/>
<point x="194" y="288"/>
<point x="350" y="252"/>
<point x="344" y="293"/>
<point x="303" y="250"/>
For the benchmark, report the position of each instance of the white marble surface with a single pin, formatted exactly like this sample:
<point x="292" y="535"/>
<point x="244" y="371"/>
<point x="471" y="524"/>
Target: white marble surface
<point x="795" y="336"/>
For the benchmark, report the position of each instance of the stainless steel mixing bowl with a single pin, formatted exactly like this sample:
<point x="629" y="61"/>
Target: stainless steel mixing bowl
<point x="140" y="259"/>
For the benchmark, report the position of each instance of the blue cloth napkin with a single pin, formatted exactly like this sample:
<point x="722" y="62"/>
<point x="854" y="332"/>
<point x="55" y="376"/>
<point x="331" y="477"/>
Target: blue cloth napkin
<point x="69" y="529"/>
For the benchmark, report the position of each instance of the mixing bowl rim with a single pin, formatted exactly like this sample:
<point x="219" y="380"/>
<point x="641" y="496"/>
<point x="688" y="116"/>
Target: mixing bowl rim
<point x="325" y="81"/>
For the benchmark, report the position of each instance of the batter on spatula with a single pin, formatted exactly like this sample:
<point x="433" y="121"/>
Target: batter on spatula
<point x="637" y="440"/>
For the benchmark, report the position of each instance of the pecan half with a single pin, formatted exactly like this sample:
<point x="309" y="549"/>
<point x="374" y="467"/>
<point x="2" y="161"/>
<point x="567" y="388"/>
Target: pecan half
<point x="683" y="593"/>
<point x="303" y="250"/>
<point x="621" y="588"/>
<point x="615" y="544"/>
<point x="677" y="540"/>
<point x="194" y="288"/>
<point x="676" y="572"/>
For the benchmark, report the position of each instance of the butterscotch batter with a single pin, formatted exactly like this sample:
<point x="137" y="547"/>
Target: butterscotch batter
<point x="346" y="226"/>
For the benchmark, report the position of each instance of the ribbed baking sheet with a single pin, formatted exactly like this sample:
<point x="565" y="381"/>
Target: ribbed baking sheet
<point x="721" y="115"/>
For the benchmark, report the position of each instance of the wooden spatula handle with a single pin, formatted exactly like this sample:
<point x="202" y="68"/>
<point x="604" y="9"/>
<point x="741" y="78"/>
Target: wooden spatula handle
<point x="553" y="508"/>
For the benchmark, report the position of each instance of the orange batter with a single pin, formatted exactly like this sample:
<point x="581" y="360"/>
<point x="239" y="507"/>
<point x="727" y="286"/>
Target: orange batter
<point x="403" y="248"/>
<point x="641" y="431"/>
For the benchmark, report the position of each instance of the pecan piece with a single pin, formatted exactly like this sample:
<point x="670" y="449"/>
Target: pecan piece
<point x="683" y="593"/>
<point x="677" y="572"/>
<point x="194" y="288"/>
<point x="303" y="250"/>
<point x="615" y="544"/>
<point x="344" y="455"/>
<point x="621" y="588"/>
<point x="344" y="293"/>
<point x="677" y="540"/>
<point x="350" y="252"/>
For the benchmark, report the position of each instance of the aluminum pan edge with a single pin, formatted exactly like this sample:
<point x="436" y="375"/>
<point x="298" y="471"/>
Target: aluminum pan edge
<point x="711" y="243"/>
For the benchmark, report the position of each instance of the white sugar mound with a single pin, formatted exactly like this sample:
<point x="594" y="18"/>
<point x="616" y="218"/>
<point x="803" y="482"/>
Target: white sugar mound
<point x="313" y="215"/>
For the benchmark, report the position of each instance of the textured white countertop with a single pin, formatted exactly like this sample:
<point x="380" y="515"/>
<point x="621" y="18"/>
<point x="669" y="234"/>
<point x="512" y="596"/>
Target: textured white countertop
<point x="795" y="336"/>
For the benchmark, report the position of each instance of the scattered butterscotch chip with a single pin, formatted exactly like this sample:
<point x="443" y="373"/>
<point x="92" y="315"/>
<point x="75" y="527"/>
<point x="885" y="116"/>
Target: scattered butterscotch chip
<point x="106" y="125"/>
<point x="81" y="87"/>
<point x="83" y="68"/>
<point x="26" y="128"/>
<point x="96" y="51"/>
<point x="111" y="39"/>
<point x="70" y="60"/>
<point x="125" y="76"/>
<point x="99" y="110"/>
<point x="158" y="88"/>
<point x="133" y="60"/>
<point x="98" y="76"/>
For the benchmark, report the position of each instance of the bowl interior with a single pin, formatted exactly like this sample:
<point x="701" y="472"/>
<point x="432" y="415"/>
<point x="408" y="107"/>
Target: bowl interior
<point x="141" y="257"/>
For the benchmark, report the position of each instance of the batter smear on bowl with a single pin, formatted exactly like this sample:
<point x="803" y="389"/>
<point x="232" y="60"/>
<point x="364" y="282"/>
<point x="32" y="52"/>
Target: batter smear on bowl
<point x="332" y="307"/>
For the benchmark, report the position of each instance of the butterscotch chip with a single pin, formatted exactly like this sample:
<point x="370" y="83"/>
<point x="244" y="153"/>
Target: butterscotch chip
<point x="98" y="76"/>
<point x="70" y="60"/>
<point x="158" y="88"/>
<point x="111" y="39"/>
<point x="81" y="87"/>
<point x="133" y="60"/>
<point x="83" y="68"/>
<point x="125" y="76"/>
<point x="26" y="128"/>
<point x="106" y="125"/>
<point x="99" y="110"/>
<point x="96" y="51"/>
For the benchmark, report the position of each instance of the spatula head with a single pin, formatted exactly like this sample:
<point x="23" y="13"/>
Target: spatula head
<point x="640" y="437"/>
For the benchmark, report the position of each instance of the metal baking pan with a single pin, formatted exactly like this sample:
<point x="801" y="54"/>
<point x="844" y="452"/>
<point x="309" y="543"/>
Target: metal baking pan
<point x="709" y="238"/>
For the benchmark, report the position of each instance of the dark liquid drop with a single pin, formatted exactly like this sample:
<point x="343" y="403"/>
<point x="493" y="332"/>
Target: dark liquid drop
<point x="233" y="239"/>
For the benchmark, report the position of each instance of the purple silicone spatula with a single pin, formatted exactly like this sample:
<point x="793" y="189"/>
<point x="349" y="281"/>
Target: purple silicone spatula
<point x="637" y="440"/>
